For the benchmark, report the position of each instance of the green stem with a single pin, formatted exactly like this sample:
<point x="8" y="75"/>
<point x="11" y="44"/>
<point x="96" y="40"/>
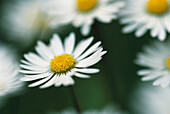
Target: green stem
<point x="74" y="99"/>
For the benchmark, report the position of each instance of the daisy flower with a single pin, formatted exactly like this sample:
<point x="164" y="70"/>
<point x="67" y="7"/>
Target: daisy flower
<point x="82" y="13"/>
<point x="9" y="75"/>
<point x="56" y="63"/>
<point x="143" y="15"/>
<point x="150" y="100"/>
<point x="156" y="59"/>
<point x="23" y="20"/>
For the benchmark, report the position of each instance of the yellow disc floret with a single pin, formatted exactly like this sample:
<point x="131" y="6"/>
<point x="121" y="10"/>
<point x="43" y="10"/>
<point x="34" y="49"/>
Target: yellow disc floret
<point x="167" y="62"/>
<point x="86" y="5"/>
<point x="62" y="63"/>
<point x="157" y="6"/>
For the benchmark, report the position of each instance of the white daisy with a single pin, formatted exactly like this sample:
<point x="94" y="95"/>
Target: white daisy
<point x="23" y="20"/>
<point x="9" y="75"/>
<point x="150" y="100"/>
<point x="57" y="63"/>
<point x="82" y="13"/>
<point x="156" y="59"/>
<point x="143" y="15"/>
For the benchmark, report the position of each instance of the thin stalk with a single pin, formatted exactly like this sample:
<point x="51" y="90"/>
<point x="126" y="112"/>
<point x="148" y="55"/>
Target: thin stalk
<point x="74" y="99"/>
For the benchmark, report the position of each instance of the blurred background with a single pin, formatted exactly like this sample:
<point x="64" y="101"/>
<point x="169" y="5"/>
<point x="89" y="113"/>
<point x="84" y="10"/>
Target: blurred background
<point x="114" y="84"/>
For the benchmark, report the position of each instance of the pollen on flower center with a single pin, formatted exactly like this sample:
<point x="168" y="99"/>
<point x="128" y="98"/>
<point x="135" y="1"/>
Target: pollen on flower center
<point x="157" y="6"/>
<point x="168" y="62"/>
<point x="86" y="5"/>
<point x="62" y="63"/>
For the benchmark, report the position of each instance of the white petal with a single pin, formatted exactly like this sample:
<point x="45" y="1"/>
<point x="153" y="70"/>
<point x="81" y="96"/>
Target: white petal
<point x="39" y="68"/>
<point x="32" y="72"/>
<point x="141" y="31"/>
<point x="91" y="60"/>
<point x="35" y="59"/>
<point x="49" y="83"/>
<point x="166" y="82"/>
<point x="32" y="78"/>
<point x="162" y="34"/>
<point x="87" y="70"/>
<point x="81" y="47"/>
<point x="59" y="80"/>
<point x="144" y="72"/>
<point x="106" y="18"/>
<point x="89" y="51"/>
<point x="68" y="81"/>
<point x="69" y="43"/>
<point x="56" y="45"/>
<point x="43" y="51"/>
<point x="35" y="77"/>
<point x="25" y="62"/>
<point x="81" y="75"/>
<point x="150" y="77"/>
<point x="85" y="29"/>
<point x="130" y="28"/>
<point x="39" y="82"/>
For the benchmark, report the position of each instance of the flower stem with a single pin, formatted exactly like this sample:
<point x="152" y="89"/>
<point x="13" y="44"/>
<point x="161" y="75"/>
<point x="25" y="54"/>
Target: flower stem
<point x="74" y="99"/>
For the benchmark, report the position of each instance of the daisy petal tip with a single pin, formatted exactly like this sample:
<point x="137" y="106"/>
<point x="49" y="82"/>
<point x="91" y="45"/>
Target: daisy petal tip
<point x="155" y="83"/>
<point x="21" y="79"/>
<point x="43" y="87"/>
<point x="104" y="52"/>
<point x="72" y="34"/>
<point x="144" y="79"/>
<point x="97" y="70"/>
<point x="99" y="42"/>
<point x="21" y="60"/>
<point x="55" y="35"/>
<point x="138" y="73"/>
<point x="161" y="39"/>
<point x="31" y="86"/>
<point x="39" y="42"/>
<point x="69" y="84"/>
<point x="57" y="85"/>
<point x="20" y="71"/>
<point x="87" y="77"/>
<point x="91" y="38"/>
<point x="163" y="86"/>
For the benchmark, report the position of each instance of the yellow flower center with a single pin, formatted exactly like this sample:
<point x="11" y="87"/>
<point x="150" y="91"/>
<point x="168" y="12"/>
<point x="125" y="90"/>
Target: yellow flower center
<point x="168" y="62"/>
<point x="86" y="5"/>
<point x="62" y="63"/>
<point x="157" y="6"/>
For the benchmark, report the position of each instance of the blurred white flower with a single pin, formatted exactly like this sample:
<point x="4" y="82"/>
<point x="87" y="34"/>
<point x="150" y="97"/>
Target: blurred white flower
<point x="82" y="13"/>
<point x="156" y="59"/>
<point x="143" y="15"/>
<point x="110" y="109"/>
<point x="24" y="20"/>
<point x="149" y="99"/>
<point x="56" y="63"/>
<point x="9" y="75"/>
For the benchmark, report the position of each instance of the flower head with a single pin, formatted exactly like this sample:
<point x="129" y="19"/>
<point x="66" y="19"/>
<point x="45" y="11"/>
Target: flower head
<point x="143" y="15"/>
<point x="82" y="13"/>
<point x="9" y="75"/>
<point x="23" y="20"/>
<point x="56" y="64"/>
<point x="154" y="100"/>
<point x="156" y="59"/>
